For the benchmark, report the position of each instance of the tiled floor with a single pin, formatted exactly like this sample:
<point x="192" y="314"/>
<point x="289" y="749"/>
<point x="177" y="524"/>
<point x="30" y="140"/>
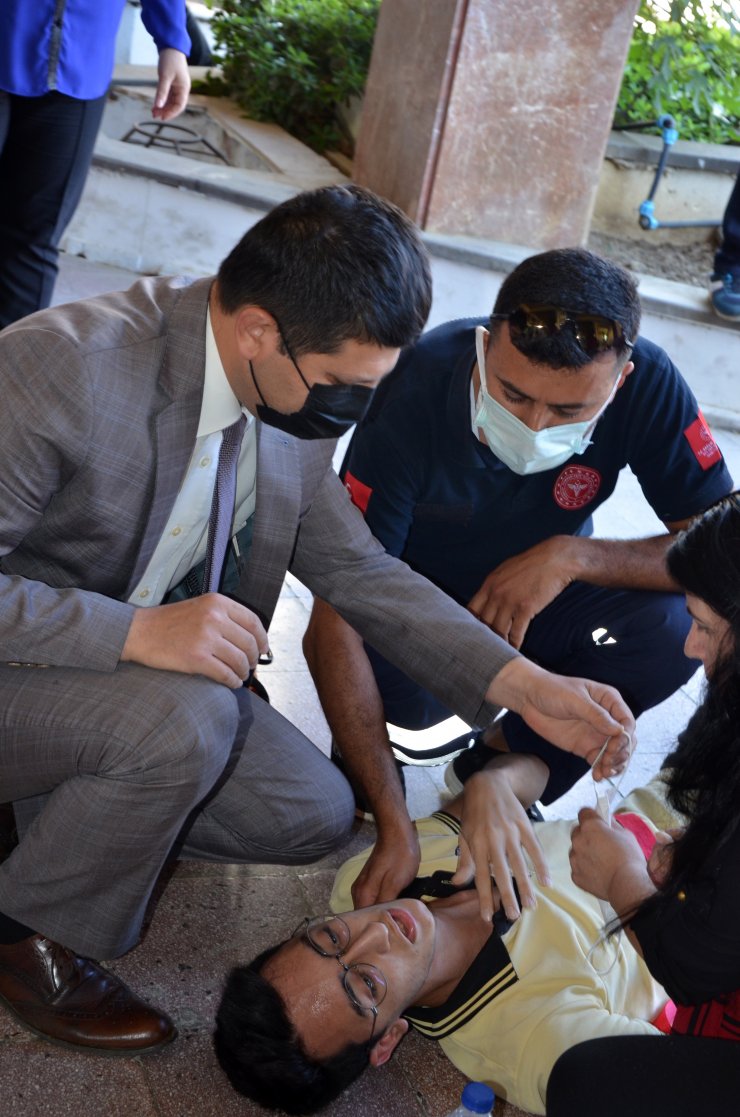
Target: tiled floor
<point x="210" y="916"/>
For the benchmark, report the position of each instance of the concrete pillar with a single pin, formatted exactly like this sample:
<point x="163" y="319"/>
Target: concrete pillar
<point x="491" y="117"/>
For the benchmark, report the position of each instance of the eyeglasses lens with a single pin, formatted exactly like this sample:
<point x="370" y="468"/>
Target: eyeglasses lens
<point x="365" y="985"/>
<point x="329" y="936"/>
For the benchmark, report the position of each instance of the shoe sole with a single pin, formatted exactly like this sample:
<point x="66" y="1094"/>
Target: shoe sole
<point x="726" y="317"/>
<point x="424" y="759"/>
<point x="364" y="816"/>
<point x="454" y="785"/>
<point x="110" y="1052"/>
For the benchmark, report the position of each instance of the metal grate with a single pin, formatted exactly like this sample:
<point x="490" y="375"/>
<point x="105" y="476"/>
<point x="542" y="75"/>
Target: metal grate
<point x="172" y="137"/>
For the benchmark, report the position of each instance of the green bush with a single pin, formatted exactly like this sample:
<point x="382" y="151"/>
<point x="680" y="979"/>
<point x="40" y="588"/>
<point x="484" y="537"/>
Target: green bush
<point x="686" y="66"/>
<point x="295" y="62"/>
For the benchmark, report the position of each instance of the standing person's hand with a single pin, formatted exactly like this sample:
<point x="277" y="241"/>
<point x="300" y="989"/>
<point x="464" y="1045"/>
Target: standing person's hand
<point x="174" y="84"/>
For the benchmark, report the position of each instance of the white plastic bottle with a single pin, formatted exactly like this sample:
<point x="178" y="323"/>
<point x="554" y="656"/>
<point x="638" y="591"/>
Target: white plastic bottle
<point x="477" y="1098"/>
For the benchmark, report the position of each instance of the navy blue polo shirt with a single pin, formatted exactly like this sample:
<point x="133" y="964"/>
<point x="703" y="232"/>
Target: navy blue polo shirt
<point x="434" y="495"/>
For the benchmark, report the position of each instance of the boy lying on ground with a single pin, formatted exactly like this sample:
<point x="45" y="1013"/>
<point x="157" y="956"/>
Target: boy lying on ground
<point x="504" y="997"/>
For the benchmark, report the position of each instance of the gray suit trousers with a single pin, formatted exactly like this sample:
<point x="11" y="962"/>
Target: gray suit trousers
<point x="111" y="772"/>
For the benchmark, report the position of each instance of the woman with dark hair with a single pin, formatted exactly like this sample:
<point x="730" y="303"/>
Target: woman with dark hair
<point x="681" y="909"/>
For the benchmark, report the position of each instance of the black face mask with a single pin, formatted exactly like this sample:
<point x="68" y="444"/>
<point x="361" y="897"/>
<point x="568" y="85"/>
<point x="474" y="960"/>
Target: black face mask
<point x="327" y="412"/>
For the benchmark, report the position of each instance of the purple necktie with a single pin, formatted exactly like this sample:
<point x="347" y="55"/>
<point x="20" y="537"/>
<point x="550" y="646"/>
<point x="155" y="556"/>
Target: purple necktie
<point x="222" y="505"/>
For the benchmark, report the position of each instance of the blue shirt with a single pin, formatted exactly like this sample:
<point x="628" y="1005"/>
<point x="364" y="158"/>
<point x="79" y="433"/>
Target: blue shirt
<point x="69" y="45"/>
<point x="434" y="495"/>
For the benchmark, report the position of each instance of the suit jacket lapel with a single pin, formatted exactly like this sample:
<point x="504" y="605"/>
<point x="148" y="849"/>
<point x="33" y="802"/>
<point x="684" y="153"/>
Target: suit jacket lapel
<point x="176" y="425"/>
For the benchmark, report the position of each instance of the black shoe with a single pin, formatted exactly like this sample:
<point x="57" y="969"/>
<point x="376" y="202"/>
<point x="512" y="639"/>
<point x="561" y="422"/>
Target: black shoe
<point x="252" y="683"/>
<point x="362" y="809"/>
<point x="473" y="760"/>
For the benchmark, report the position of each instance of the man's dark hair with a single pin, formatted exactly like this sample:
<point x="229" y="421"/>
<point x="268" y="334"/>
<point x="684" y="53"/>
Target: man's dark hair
<point x="332" y="265"/>
<point x="576" y="280"/>
<point x="262" y="1054"/>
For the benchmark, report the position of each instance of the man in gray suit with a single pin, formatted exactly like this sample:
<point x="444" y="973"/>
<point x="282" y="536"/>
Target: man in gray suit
<point x="125" y="731"/>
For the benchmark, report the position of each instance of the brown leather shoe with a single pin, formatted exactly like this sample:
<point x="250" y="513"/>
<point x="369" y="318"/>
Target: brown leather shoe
<point x="75" y="1002"/>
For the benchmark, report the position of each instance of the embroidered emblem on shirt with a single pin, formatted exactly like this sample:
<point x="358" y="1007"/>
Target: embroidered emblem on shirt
<point x="576" y="486"/>
<point x="359" y="493"/>
<point x="699" y="438"/>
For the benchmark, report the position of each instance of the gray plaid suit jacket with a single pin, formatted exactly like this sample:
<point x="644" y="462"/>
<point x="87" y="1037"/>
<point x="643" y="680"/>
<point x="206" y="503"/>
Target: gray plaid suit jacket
<point x="100" y="407"/>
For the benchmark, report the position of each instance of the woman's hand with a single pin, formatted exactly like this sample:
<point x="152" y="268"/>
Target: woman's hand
<point x="607" y="862"/>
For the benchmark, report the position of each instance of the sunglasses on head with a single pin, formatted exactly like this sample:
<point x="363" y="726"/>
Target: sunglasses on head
<point x="593" y="333"/>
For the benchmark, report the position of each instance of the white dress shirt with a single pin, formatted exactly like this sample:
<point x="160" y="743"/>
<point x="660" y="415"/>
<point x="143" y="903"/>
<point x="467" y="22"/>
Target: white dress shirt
<point x="184" y="539"/>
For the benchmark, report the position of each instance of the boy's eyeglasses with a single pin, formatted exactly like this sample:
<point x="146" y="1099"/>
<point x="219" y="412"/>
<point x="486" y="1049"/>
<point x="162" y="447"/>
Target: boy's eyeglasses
<point x="363" y="982"/>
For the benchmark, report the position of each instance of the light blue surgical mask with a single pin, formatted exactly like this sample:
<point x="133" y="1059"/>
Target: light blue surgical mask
<point x="523" y="450"/>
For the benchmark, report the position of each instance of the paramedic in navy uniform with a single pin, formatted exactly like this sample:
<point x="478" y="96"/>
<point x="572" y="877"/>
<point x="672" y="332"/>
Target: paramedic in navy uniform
<point x="488" y="489"/>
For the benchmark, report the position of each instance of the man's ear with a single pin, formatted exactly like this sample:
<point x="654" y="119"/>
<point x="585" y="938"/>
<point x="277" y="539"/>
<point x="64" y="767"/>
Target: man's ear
<point x="388" y="1043"/>
<point x="625" y="373"/>
<point x="256" y="332"/>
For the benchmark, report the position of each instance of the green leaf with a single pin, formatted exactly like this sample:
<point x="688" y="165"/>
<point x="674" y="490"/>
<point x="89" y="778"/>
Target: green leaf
<point x="685" y="65"/>
<point x="296" y="61"/>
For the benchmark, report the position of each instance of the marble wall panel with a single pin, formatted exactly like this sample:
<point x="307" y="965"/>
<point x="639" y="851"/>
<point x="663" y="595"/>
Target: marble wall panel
<point x="406" y="96"/>
<point x="524" y="96"/>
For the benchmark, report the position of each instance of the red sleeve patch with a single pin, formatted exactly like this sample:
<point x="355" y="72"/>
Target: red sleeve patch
<point x="699" y="438"/>
<point x="359" y="494"/>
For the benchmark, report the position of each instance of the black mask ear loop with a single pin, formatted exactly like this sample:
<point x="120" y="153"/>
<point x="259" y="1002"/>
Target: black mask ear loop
<point x="292" y="361"/>
<point x="254" y="378"/>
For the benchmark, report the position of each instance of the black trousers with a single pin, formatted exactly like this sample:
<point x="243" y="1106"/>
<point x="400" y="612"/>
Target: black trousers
<point x="46" y="146"/>
<point x="727" y="259"/>
<point x="646" y="1076"/>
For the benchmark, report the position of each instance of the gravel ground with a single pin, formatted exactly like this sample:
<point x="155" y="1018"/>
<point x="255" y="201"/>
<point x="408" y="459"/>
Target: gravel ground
<point x="684" y="263"/>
